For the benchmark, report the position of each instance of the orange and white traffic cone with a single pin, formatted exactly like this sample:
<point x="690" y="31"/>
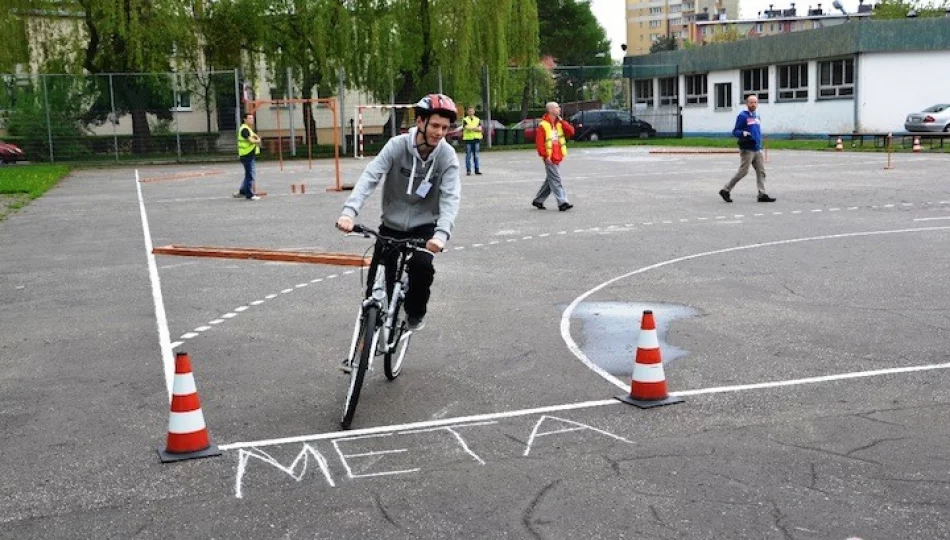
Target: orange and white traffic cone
<point x="838" y="145"/>
<point x="187" y="433"/>
<point x="917" y="144"/>
<point x="648" y="387"/>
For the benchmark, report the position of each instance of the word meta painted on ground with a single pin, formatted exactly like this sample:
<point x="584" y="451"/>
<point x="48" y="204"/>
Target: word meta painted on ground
<point x="372" y="463"/>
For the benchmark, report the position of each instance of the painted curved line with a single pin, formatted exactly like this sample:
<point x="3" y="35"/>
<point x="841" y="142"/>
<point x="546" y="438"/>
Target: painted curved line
<point x="566" y="316"/>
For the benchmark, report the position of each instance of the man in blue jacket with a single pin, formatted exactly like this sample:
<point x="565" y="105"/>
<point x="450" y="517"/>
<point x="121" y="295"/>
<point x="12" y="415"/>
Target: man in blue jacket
<point x="749" y="133"/>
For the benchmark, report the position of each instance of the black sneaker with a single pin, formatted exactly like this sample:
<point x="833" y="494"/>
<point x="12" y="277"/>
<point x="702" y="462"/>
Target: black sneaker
<point x="416" y="323"/>
<point x="564" y="207"/>
<point x="765" y="198"/>
<point x="725" y="195"/>
<point x="536" y="204"/>
<point x="468" y="173"/>
<point x="479" y="173"/>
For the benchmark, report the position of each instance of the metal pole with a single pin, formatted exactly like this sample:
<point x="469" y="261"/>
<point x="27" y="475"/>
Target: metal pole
<point x="49" y="125"/>
<point x="488" y="103"/>
<point x="342" y="105"/>
<point x="290" y="109"/>
<point x="440" y="80"/>
<point x="115" y="134"/>
<point x="392" y="110"/>
<point x="237" y="101"/>
<point x="176" y="101"/>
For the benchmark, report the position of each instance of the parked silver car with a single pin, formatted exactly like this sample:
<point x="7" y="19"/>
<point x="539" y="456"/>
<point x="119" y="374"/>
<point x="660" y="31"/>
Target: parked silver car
<point x="935" y="118"/>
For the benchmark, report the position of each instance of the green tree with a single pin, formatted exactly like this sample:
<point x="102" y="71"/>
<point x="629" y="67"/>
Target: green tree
<point x="663" y="43"/>
<point x="899" y="9"/>
<point x="571" y="34"/>
<point x="132" y="36"/>
<point x="727" y="35"/>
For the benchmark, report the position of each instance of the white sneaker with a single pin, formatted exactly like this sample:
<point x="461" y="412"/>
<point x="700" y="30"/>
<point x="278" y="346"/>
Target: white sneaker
<point x="254" y="198"/>
<point x="237" y="195"/>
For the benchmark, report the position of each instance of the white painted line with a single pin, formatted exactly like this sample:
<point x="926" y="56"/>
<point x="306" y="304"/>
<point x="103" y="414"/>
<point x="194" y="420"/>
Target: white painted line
<point x="578" y="230"/>
<point x="216" y="321"/>
<point x="932" y="218"/>
<point x="738" y="215"/>
<point x="628" y="225"/>
<point x="270" y="296"/>
<point x="543" y="235"/>
<point x="257" y="302"/>
<point x="907" y="204"/>
<point x="594" y="229"/>
<point x="493" y="242"/>
<point x="833" y="209"/>
<point x="175" y="344"/>
<point x="562" y="232"/>
<point x="852" y="208"/>
<point x="229" y="315"/>
<point x="703" y="218"/>
<point x="161" y="321"/>
<point x="457" y="248"/>
<point x="796" y="211"/>
<point x="732" y="222"/>
<point x="202" y="328"/>
<point x="817" y="210"/>
<point x="758" y="215"/>
<point x="331" y="276"/>
<point x="667" y="222"/>
<point x="566" y="316"/>
<point x="285" y="291"/>
<point x="527" y="238"/>
<point x="301" y="285"/>
<point x="460" y="421"/>
<point x="477" y="245"/>
<point x="189" y="335"/>
<point x="776" y="213"/>
<point x="240" y="309"/>
<point x="316" y="280"/>
<point x="647" y="223"/>
<point x="888" y="206"/>
<point x="511" y="240"/>
<point x="348" y="272"/>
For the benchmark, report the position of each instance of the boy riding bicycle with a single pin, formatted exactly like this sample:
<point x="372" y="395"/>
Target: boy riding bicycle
<point x="421" y="193"/>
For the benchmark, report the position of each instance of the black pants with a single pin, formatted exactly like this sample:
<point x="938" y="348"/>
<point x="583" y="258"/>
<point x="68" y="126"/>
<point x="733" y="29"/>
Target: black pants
<point x="419" y="267"/>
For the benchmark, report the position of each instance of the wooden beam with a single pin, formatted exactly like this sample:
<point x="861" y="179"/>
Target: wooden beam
<point x="309" y="257"/>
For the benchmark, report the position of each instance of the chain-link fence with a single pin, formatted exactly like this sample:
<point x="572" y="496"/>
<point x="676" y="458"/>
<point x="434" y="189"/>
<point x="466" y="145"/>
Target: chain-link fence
<point x="195" y="115"/>
<point x="120" y="117"/>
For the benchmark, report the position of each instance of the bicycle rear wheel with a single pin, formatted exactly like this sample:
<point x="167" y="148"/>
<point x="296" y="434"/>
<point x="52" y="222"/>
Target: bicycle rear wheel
<point x="365" y="345"/>
<point x="398" y="343"/>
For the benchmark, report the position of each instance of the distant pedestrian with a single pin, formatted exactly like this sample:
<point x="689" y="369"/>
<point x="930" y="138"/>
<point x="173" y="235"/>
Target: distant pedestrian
<point x="249" y="145"/>
<point x="472" y="135"/>
<point x="551" y="141"/>
<point x="748" y="131"/>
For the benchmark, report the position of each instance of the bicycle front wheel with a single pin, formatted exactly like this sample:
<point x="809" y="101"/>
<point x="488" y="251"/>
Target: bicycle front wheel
<point x="398" y="341"/>
<point x="365" y="345"/>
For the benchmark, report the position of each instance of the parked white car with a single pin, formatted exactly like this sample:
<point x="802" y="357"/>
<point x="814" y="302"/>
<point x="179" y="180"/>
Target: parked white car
<point x="932" y="119"/>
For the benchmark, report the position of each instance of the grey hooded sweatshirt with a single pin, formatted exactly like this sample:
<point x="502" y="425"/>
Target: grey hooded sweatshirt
<point x="404" y="206"/>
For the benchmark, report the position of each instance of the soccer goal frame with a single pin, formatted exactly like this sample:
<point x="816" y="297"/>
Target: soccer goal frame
<point x="358" y="147"/>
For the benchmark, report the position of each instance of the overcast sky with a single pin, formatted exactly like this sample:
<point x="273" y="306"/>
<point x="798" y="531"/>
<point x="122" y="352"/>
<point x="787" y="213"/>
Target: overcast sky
<point x="611" y="13"/>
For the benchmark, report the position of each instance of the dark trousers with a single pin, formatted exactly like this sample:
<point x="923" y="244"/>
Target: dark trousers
<point x="247" y="186"/>
<point x="419" y="267"/>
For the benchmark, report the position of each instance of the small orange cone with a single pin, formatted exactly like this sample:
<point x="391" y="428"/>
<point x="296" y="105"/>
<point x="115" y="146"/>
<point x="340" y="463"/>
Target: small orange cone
<point x="187" y="433"/>
<point x="303" y="188"/>
<point x="648" y="387"/>
<point x="293" y="188"/>
<point x="916" y="144"/>
<point x="838" y="146"/>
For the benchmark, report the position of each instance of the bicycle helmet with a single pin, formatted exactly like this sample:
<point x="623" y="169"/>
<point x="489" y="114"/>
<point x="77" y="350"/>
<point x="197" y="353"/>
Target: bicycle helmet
<point x="437" y="103"/>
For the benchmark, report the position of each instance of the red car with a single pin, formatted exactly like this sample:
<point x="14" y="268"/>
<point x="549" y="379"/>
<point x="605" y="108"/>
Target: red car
<point x="10" y="153"/>
<point x="530" y="127"/>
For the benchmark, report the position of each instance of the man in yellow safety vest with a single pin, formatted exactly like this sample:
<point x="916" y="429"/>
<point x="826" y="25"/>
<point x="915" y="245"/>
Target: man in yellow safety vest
<point x="472" y="135"/>
<point x="551" y="140"/>
<point x="249" y="145"/>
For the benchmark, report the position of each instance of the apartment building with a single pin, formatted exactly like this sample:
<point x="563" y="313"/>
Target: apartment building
<point x="648" y="20"/>
<point x="772" y="21"/>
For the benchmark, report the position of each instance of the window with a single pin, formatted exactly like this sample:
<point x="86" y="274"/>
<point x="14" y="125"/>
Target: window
<point x="696" y="90"/>
<point x="669" y="91"/>
<point x="756" y="81"/>
<point x="792" y="82"/>
<point x="654" y="24"/>
<point x="758" y="28"/>
<point x="836" y="79"/>
<point x="723" y="96"/>
<point x="656" y="10"/>
<point x="643" y="90"/>
<point x="182" y="101"/>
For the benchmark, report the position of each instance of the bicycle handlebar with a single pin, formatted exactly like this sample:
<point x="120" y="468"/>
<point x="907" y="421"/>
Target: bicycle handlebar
<point x="419" y="243"/>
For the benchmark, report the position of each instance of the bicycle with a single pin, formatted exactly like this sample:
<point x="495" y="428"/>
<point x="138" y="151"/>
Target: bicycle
<point x="380" y="316"/>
